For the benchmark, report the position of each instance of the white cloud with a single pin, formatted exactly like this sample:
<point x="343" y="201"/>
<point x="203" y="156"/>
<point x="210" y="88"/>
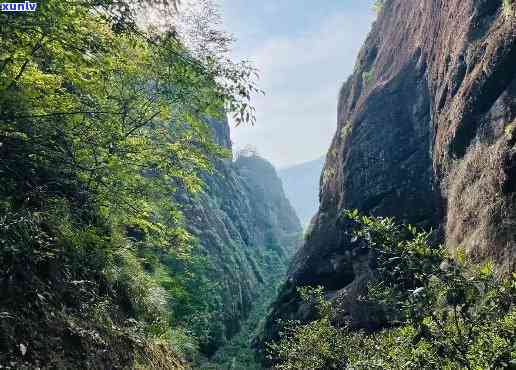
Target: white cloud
<point x="301" y="75"/>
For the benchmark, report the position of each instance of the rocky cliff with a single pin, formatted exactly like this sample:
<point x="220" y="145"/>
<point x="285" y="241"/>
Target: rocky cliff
<point x="426" y="134"/>
<point x="247" y="230"/>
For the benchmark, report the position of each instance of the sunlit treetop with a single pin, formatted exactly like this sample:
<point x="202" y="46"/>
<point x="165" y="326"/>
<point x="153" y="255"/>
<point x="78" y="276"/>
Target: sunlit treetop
<point x="93" y="103"/>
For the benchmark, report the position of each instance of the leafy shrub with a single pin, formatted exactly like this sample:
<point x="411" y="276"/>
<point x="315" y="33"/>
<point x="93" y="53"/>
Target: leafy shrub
<point x="316" y="345"/>
<point x="367" y="77"/>
<point x="444" y="314"/>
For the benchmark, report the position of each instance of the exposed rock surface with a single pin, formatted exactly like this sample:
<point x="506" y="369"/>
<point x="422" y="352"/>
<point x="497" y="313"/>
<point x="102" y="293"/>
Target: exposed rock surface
<point x="426" y="133"/>
<point x="246" y="228"/>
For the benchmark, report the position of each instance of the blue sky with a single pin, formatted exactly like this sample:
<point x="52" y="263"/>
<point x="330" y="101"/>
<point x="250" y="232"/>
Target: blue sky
<point x="304" y="50"/>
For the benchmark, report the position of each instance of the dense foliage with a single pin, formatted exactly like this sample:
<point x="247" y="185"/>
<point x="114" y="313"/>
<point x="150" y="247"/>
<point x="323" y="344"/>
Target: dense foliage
<point x="441" y="312"/>
<point x="101" y="121"/>
<point x="239" y="352"/>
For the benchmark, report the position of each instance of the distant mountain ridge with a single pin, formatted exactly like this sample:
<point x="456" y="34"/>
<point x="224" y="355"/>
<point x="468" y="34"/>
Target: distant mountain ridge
<point x="301" y="185"/>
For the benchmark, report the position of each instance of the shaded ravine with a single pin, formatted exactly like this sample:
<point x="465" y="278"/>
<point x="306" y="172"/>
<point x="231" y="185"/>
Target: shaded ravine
<point x="248" y="231"/>
<point x="240" y="352"/>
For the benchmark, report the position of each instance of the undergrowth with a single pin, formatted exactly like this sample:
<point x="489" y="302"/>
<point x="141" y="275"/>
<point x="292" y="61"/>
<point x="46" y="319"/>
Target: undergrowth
<point x="102" y="120"/>
<point x="443" y="312"/>
<point x="479" y="206"/>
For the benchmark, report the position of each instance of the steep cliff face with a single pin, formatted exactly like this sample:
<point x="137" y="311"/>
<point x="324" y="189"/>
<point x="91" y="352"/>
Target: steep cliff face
<point x="426" y="133"/>
<point x="247" y="230"/>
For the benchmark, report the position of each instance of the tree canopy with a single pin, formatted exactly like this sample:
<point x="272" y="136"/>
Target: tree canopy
<point x="102" y="119"/>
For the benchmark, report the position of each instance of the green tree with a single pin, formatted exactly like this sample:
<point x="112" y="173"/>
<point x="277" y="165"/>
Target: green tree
<point x="101" y="119"/>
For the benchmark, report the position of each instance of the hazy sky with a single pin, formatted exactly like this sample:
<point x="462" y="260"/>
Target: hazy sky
<point x="305" y="50"/>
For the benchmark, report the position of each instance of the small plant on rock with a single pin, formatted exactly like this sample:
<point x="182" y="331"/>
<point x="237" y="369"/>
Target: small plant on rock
<point x="508" y="10"/>
<point x="378" y="6"/>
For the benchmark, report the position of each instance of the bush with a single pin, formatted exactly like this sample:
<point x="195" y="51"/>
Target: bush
<point x="316" y="345"/>
<point x="367" y="78"/>
<point x="444" y="313"/>
<point x="144" y="298"/>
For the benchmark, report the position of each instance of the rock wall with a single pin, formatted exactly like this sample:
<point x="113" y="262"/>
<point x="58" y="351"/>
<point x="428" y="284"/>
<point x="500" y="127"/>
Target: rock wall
<point x="246" y="228"/>
<point x="426" y="134"/>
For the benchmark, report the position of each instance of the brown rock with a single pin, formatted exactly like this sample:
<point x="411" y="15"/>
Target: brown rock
<point x="424" y="135"/>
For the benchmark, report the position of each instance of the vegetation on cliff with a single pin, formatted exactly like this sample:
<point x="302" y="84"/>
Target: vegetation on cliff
<point x="101" y="121"/>
<point x="439" y="311"/>
<point x="130" y="239"/>
<point x="424" y="135"/>
<point x="246" y="231"/>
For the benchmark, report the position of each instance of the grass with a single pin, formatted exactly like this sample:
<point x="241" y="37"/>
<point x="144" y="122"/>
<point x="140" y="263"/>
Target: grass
<point x="478" y="213"/>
